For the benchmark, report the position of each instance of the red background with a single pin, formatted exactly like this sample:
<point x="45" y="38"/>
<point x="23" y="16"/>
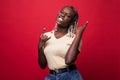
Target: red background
<point x="21" y="22"/>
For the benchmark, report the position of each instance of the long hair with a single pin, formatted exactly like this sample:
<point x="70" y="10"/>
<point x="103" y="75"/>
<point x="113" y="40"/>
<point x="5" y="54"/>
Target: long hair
<point x="73" y="26"/>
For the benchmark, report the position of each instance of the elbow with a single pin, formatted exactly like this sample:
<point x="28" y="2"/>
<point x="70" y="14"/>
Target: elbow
<point x="42" y="65"/>
<point x="69" y="61"/>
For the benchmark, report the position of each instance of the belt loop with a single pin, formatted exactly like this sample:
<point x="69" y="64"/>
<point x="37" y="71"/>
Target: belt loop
<point x="56" y="71"/>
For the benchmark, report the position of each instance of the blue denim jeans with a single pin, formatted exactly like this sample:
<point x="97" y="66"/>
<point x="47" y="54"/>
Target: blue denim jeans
<point x="70" y="75"/>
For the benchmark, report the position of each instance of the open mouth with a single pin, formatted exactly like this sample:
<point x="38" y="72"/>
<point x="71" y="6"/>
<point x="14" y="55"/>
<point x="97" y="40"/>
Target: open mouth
<point x="60" y="19"/>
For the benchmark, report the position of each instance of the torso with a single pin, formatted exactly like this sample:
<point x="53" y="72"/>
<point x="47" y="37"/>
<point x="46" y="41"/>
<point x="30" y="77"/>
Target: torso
<point x="55" y="50"/>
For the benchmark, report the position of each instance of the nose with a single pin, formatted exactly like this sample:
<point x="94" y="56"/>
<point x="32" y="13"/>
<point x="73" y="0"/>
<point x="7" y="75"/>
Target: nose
<point x="62" y="15"/>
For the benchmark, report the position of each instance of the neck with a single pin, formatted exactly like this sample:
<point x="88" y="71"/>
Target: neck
<point x="61" y="29"/>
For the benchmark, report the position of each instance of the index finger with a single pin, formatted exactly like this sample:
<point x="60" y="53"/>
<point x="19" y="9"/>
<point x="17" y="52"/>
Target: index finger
<point x="85" y="25"/>
<point x="44" y="30"/>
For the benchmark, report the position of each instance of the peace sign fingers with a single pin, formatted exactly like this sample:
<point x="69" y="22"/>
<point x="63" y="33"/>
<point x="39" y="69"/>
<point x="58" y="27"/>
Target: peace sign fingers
<point x="85" y="25"/>
<point x="81" y="28"/>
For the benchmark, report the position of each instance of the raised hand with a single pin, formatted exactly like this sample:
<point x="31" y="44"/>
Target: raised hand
<point x="81" y="29"/>
<point x="43" y="37"/>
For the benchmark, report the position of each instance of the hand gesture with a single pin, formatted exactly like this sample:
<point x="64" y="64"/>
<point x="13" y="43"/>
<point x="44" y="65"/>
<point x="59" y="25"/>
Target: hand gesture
<point x="43" y="37"/>
<point x="80" y="30"/>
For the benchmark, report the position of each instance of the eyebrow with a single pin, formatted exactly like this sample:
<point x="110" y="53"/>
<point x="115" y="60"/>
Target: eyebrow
<point x="65" y="12"/>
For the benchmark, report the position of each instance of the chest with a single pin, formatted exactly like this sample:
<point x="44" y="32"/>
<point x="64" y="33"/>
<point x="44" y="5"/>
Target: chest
<point x="58" y="47"/>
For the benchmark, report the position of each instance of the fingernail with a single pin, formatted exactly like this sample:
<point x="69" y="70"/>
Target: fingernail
<point x="86" y="21"/>
<point x="44" y="28"/>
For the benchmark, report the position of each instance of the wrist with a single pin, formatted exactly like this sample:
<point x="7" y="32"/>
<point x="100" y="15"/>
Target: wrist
<point x="79" y="34"/>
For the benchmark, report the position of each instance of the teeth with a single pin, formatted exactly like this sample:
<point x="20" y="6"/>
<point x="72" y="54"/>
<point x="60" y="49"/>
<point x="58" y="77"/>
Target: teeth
<point x="60" y="19"/>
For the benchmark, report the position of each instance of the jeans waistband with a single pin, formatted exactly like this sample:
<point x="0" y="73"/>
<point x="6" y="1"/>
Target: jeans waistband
<point x="62" y="70"/>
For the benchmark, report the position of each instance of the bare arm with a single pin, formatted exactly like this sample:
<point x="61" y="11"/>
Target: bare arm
<point x="73" y="51"/>
<point x="41" y="57"/>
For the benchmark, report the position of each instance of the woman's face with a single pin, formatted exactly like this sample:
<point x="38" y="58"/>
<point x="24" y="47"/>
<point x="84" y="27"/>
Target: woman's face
<point x="65" y="17"/>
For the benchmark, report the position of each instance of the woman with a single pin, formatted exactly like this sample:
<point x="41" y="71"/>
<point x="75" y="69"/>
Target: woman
<point x="59" y="48"/>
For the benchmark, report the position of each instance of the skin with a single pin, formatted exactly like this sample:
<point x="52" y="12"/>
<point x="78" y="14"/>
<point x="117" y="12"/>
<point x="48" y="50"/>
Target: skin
<point x="73" y="51"/>
<point x="67" y="15"/>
